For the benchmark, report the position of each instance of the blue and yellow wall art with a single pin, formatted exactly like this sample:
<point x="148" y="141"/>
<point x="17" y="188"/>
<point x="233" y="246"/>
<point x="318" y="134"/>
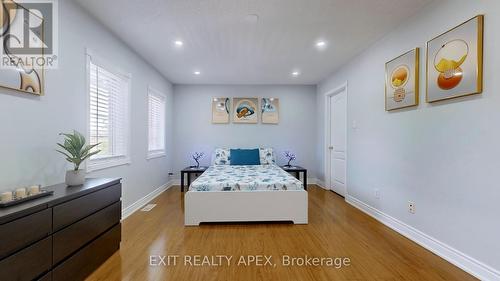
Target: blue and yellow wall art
<point x="245" y="110"/>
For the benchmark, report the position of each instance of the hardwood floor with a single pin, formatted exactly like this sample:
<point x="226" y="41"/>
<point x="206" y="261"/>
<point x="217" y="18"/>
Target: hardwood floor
<point x="335" y="229"/>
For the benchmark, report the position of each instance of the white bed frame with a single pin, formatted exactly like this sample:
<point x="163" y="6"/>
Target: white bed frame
<point x="245" y="206"/>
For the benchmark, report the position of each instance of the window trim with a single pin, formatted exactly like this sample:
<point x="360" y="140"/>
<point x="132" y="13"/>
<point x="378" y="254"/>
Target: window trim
<point x="158" y="153"/>
<point x="107" y="161"/>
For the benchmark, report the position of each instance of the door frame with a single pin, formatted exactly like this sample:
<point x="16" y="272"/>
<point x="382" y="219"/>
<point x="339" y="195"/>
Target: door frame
<point x="327" y="130"/>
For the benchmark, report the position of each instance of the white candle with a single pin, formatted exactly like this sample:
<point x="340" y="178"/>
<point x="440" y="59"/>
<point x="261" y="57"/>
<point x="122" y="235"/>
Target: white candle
<point x="20" y="193"/>
<point x="35" y="189"/>
<point x="6" y="196"/>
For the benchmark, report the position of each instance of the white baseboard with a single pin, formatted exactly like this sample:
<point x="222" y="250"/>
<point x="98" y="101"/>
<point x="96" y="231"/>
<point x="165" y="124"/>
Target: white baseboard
<point x="141" y="202"/>
<point x="312" y="181"/>
<point x="321" y="184"/>
<point x="459" y="259"/>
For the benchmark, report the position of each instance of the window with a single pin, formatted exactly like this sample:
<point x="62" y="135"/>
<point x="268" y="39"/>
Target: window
<point x="109" y="93"/>
<point x="156" y="123"/>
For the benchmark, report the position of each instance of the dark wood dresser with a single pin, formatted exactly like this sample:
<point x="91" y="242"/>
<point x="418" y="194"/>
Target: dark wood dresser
<point x="65" y="236"/>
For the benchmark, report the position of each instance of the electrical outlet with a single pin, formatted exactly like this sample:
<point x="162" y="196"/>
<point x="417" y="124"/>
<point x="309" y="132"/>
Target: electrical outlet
<point x="377" y="193"/>
<point x="411" y="207"/>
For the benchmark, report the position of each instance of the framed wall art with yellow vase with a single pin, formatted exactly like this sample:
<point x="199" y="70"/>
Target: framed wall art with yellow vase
<point x="455" y="62"/>
<point x="401" y="83"/>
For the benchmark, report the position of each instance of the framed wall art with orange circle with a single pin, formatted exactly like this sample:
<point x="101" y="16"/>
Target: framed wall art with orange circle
<point x="455" y="62"/>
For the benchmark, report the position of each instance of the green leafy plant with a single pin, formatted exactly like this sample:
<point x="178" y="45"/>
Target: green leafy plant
<point x="75" y="150"/>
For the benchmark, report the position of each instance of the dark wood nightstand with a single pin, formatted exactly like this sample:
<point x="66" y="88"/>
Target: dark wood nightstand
<point x="189" y="171"/>
<point x="297" y="170"/>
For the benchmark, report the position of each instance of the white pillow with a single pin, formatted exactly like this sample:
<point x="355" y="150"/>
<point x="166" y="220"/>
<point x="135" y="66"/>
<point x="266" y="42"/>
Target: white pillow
<point x="221" y="156"/>
<point x="267" y="156"/>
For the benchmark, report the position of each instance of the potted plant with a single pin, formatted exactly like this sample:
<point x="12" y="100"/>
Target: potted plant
<point x="76" y="151"/>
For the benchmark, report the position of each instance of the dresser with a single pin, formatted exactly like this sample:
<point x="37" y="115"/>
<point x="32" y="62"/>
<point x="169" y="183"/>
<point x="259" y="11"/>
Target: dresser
<point x="65" y="236"/>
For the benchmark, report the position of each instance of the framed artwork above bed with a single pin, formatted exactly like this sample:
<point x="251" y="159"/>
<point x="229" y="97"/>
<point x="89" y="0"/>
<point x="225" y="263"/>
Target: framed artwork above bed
<point x="245" y="110"/>
<point x="270" y="110"/>
<point x="220" y="110"/>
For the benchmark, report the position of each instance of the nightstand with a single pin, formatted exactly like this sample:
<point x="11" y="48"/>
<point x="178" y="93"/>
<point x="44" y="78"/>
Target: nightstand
<point x="189" y="171"/>
<point x="297" y="170"/>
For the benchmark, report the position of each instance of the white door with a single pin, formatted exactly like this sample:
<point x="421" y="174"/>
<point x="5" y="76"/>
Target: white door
<point x="337" y="145"/>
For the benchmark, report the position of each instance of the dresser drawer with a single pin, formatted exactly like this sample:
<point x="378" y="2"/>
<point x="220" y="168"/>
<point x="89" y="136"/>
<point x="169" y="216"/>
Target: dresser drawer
<point x="88" y="259"/>
<point x="20" y="233"/>
<point x="74" y="210"/>
<point x="71" y="238"/>
<point x="29" y="263"/>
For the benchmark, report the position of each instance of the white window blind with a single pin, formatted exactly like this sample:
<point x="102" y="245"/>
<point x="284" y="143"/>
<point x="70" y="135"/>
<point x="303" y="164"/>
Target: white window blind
<point x="156" y="123"/>
<point x="108" y="116"/>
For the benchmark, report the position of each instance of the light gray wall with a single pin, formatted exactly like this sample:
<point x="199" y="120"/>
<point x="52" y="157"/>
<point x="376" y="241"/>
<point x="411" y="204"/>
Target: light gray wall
<point x="445" y="156"/>
<point x="30" y="125"/>
<point x="194" y="131"/>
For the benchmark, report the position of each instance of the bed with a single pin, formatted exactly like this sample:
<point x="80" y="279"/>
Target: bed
<point x="245" y="193"/>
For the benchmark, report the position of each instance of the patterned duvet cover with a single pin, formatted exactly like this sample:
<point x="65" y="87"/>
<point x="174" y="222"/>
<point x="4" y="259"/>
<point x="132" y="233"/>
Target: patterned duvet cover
<point x="245" y="178"/>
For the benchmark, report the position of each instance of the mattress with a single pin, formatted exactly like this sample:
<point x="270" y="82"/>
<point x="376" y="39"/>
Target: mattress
<point x="245" y="178"/>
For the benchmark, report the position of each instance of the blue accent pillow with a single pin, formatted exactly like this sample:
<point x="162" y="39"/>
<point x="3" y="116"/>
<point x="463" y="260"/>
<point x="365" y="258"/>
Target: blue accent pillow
<point x="245" y="156"/>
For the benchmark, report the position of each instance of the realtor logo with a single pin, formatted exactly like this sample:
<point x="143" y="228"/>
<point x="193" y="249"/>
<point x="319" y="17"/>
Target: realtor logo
<point x="28" y="34"/>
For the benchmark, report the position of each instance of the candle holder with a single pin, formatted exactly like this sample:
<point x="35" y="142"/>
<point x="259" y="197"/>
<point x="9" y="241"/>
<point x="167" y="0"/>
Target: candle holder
<point x="18" y="196"/>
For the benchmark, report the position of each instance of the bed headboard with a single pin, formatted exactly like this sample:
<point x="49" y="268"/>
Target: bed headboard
<point x="221" y="156"/>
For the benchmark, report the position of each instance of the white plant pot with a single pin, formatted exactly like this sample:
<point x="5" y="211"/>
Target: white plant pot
<point x="74" y="178"/>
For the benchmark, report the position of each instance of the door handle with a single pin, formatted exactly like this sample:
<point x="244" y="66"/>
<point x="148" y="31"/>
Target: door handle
<point x="330" y="147"/>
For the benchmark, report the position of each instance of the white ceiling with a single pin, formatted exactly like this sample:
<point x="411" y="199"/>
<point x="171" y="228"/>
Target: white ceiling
<point x="229" y="49"/>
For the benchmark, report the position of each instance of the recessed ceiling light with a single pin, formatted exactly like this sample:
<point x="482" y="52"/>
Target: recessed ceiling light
<point x="295" y="73"/>
<point x="321" y="44"/>
<point x="197" y="72"/>
<point x="178" y="43"/>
